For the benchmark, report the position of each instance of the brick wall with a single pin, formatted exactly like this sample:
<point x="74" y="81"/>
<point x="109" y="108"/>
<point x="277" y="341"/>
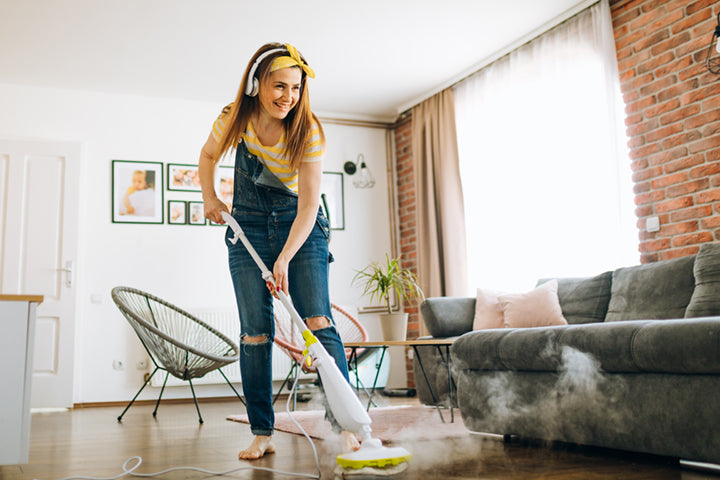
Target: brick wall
<point x="673" y="121"/>
<point x="406" y="220"/>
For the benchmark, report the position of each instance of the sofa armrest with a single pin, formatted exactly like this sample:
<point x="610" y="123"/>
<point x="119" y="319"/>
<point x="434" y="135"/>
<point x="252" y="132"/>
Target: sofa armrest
<point x="448" y="316"/>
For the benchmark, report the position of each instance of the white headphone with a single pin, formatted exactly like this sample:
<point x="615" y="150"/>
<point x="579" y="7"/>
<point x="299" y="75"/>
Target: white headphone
<point x="252" y="86"/>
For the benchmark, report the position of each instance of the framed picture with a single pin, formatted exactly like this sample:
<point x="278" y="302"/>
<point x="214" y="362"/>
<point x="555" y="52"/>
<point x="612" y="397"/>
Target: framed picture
<point x="137" y="193"/>
<point x="177" y="212"/>
<point x="332" y="189"/>
<point x="225" y="184"/>
<point x="183" y="178"/>
<point x="196" y="214"/>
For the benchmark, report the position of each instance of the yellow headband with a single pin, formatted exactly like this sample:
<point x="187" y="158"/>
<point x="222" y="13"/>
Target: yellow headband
<point x="291" y="61"/>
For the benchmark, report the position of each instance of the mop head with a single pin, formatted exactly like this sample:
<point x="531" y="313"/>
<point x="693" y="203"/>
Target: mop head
<point x="373" y="454"/>
<point x="342" y="472"/>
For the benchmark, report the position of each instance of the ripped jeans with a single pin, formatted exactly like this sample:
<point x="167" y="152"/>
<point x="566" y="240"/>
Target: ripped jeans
<point x="308" y="285"/>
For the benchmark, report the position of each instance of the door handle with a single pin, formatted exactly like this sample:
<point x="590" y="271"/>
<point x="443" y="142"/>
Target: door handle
<point x="68" y="273"/>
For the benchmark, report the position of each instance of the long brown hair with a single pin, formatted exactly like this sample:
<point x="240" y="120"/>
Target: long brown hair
<point x="298" y="122"/>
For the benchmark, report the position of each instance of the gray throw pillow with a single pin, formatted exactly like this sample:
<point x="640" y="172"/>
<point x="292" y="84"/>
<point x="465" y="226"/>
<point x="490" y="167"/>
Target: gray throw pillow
<point x="705" y="299"/>
<point x="584" y="300"/>
<point x="653" y="291"/>
<point x="448" y="316"/>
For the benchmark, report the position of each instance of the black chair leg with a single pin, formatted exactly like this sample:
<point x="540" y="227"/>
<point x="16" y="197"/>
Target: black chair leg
<point x="157" y="404"/>
<point x="119" y="419"/>
<point x="196" y="402"/>
<point x="233" y="388"/>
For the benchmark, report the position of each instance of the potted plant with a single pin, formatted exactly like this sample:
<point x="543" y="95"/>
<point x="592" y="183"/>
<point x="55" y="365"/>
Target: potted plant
<point x="379" y="281"/>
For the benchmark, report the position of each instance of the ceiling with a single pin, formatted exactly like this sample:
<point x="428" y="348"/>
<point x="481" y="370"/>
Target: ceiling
<point x="373" y="58"/>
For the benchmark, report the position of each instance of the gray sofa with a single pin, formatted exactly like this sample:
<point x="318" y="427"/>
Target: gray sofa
<point x="637" y="368"/>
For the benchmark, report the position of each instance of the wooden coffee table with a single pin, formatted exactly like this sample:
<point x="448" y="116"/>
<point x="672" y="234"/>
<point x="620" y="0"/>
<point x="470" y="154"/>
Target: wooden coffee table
<point x="441" y="344"/>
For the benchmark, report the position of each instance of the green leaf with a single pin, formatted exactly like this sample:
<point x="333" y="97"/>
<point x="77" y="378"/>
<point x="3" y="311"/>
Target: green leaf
<point x="379" y="280"/>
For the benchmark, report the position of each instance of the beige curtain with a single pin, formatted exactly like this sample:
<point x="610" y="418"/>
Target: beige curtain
<point x="441" y="250"/>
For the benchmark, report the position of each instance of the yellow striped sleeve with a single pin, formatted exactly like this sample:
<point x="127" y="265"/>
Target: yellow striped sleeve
<point x="219" y="124"/>
<point x="315" y="148"/>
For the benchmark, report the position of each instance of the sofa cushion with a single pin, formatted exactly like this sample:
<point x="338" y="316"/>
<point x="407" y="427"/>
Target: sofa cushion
<point x="658" y="290"/>
<point x="705" y="300"/>
<point x="537" y="308"/>
<point x="448" y="316"/>
<point x="684" y="346"/>
<point x="541" y="349"/>
<point x="584" y="300"/>
<point x="681" y="347"/>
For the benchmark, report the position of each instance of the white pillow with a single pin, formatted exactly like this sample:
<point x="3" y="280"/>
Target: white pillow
<point x="488" y="313"/>
<point x="539" y="307"/>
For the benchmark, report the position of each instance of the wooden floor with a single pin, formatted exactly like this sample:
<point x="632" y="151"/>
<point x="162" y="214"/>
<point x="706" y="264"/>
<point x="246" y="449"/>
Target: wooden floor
<point x="91" y="442"/>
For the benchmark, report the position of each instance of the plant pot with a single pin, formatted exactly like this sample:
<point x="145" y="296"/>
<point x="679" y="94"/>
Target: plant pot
<point x="394" y="326"/>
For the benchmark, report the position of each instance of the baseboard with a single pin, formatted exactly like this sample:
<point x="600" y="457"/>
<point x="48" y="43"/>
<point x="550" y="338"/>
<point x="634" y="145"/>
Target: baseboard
<point x="164" y="401"/>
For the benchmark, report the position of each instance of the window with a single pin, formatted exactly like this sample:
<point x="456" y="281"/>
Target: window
<point x="544" y="162"/>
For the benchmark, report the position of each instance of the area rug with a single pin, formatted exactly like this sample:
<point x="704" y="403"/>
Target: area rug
<point x="389" y="424"/>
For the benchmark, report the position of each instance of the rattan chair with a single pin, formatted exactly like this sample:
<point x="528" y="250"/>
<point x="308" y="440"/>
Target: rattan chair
<point x="290" y="341"/>
<point x="176" y="341"/>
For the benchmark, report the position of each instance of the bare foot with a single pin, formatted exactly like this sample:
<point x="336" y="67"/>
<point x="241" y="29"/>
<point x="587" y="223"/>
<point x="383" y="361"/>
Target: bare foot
<point x="260" y="445"/>
<point x="350" y="442"/>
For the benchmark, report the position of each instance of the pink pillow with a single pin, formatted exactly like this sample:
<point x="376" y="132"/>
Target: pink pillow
<point x="488" y="313"/>
<point x="537" y="308"/>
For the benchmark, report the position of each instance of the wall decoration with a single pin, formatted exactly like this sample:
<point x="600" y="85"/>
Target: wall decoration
<point x="137" y="193"/>
<point x="196" y="213"/>
<point x="183" y="178"/>
<point x="177" y="212"/>
<point x="333" y="188"/>
<point x="225" y="184"/>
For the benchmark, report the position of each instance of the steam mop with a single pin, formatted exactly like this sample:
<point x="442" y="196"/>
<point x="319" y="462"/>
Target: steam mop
<point x="344" y="404"/>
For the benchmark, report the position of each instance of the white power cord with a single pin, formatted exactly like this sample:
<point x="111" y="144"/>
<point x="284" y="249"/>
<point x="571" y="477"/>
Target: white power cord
<point x="131" y="470"/>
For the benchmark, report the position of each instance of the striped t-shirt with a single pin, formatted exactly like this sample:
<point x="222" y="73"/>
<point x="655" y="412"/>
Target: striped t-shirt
<point x="274" y="157"/>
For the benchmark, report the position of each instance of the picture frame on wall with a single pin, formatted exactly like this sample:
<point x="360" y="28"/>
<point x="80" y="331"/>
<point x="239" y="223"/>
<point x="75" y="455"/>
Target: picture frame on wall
<point x="226" y="184"/>
<point x="137" y="192"/>
<point x="177" y="212"/>
<point x="332" y="187"/>
<point x="196" y="213"/>
<point x="183" y="177"/>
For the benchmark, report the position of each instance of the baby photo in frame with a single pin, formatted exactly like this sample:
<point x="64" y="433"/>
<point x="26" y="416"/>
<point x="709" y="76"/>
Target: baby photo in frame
<point x="196" y="213"/>
<point x="183" y="177"/>
<point x="137" y="193"/>
<point x="177" y="212"/>
<point x="225" y="184"/>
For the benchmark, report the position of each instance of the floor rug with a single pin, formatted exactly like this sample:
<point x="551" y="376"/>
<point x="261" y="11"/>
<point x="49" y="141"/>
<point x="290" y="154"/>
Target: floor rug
<point x="389" y="424"/>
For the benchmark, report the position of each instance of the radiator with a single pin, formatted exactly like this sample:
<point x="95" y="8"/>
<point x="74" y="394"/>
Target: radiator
<point x="227" y="323"/>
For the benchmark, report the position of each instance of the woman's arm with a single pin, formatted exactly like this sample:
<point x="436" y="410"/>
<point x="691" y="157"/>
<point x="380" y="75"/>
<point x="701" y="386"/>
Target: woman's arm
<point x="211" y="203"/>
<point x="309" y="178"/>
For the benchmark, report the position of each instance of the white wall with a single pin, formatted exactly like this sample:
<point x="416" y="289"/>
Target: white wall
<point x="184" y="264"/>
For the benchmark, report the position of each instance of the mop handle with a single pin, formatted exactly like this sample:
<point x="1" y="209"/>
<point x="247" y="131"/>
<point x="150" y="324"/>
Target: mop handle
<point x="343" y="402"/>
<point x="266" y="274"/>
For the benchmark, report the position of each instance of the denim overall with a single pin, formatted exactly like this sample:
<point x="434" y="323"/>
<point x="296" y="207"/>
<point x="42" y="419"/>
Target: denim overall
<point x="265" y="209"/>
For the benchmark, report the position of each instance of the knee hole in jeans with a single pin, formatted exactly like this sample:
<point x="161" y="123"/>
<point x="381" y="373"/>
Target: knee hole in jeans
<point x="255" y="340"/>
<point x="317" y="323"/>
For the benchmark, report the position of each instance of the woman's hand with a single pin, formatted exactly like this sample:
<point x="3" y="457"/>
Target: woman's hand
<point x="213" y="207"/>
<point x="280" y="272"/>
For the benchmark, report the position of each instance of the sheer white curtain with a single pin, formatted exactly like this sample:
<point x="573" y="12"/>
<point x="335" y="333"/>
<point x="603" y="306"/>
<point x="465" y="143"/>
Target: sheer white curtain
<point x="544" y="162"/>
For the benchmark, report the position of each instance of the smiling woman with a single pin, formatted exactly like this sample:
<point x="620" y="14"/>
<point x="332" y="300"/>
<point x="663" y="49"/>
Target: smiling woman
<point x="279" y="145"/>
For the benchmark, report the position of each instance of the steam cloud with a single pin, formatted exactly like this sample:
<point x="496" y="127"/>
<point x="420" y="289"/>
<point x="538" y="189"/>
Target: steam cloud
<point x="550" y="405"/>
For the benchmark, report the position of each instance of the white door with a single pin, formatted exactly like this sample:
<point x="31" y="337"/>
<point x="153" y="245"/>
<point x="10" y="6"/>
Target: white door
<point x="39" y="206"/>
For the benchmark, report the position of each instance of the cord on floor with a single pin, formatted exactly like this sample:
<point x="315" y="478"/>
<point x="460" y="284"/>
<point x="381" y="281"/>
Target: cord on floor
<point x="130" y="470"/>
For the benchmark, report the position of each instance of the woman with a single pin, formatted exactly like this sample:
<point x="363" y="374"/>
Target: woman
<point x="279" y="146"/>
